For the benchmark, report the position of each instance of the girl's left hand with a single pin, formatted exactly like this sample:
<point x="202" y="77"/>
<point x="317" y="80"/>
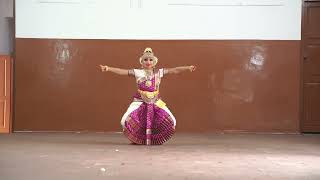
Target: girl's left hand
<point x="192" y="68"/>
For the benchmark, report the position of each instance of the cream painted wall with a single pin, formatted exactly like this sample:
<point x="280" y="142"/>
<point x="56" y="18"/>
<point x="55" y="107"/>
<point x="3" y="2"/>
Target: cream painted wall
<point x="159" y="19"/>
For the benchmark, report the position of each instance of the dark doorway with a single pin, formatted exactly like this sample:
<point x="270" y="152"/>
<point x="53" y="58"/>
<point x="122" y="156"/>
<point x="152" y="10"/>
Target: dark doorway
<point x="310" y="121"/>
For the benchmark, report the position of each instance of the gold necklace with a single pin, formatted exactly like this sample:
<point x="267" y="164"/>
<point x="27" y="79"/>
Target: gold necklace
<point x="148" y="76"/>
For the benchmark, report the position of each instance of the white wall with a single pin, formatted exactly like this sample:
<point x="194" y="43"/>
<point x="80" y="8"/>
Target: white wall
<point x="159" y="19"/>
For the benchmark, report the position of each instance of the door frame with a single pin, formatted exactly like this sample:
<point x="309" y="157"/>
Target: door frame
<point x="8" y="66"/>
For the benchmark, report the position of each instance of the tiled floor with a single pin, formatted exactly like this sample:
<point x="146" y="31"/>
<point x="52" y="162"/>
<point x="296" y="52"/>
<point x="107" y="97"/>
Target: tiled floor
<point x="95" y="156"/>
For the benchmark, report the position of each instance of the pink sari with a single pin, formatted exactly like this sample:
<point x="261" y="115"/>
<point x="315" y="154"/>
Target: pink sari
<point x="150" y="122"/>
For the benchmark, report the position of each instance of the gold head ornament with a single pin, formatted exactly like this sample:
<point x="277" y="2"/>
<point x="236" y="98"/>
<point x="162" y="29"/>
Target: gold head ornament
<point x="148" y="53"/>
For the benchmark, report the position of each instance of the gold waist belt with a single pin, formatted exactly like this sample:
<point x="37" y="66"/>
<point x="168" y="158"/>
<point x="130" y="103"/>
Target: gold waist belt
<point x="147" y="94"/>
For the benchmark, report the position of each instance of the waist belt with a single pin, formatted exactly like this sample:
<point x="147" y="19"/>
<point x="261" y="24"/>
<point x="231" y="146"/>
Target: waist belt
<point x="147" y="94"/>
<point x="152" y="97"/>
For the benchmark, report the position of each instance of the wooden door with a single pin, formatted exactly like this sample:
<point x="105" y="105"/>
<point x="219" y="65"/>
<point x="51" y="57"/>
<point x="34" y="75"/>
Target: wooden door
<point x="310" y="121"/>
<point x="5" y="94"/>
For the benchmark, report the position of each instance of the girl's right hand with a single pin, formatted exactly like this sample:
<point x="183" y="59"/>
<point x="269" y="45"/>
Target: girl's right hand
<point x="104" y="68"/>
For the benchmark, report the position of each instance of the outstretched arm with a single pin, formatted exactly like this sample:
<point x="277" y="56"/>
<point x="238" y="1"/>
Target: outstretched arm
<point x="180" y="69"/>
<point x="114" y="70"/>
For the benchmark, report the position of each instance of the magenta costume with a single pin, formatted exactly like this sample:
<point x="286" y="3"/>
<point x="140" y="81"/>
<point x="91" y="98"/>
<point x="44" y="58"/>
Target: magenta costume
<point x="148" y="121"/>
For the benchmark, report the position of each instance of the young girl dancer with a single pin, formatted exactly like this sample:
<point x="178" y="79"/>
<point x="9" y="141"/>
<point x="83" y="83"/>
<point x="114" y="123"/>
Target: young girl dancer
<point x="148" y="120"/>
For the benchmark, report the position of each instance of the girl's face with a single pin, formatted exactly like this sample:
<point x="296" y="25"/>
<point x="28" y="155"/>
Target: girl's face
<point x="147" y="63"/>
